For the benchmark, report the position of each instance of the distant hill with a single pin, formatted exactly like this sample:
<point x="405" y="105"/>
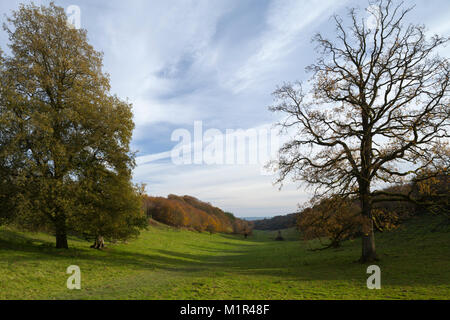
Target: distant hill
<point x="276" y="223"/>
<point x="431" y="196"/>
<point x="253" y="218"/>
<point x="189" y="212"/>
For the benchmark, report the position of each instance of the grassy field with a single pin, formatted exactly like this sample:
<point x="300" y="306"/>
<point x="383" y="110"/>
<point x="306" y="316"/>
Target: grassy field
<point x="165" y="263"/>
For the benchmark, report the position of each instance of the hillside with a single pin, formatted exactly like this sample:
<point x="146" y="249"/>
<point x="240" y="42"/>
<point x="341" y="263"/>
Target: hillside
<point x="431" y="195"/>
<point x="169" y="263"/>
<point x="276" y="223"/>
<point x="189" y="212"/>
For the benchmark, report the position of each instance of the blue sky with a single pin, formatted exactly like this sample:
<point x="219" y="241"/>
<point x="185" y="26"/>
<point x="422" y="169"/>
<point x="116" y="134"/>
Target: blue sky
<point x="216" y="62"/>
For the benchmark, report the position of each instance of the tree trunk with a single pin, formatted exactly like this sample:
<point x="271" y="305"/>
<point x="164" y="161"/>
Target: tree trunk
<point x="368" y="247"/>
<point x="99" y="243"/>
<point x="61" y="235"/>
<point x="368" y="237"/>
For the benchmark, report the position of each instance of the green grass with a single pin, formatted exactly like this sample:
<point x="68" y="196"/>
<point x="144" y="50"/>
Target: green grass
<point x="166" y="263"/>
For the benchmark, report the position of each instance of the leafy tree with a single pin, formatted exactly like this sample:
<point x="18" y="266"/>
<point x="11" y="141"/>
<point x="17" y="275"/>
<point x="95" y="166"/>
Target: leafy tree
<point x="211" y="229"/>
<point x="279" y="236"/>
<point x="377" y="112"/>
<point x="61" y="122"/>
<point x="431" y="190"/>
<point x="336" y="219"/>
<point x="5" y="136"/>
<point x="111" y="207"/>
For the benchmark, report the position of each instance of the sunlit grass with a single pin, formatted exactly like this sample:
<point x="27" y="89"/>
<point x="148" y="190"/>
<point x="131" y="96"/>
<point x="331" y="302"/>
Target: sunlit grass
<point x="166" y="263"/>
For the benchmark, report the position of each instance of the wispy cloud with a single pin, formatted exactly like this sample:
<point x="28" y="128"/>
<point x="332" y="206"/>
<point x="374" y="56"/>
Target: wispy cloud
<point x="285" y="21"/>
<point x="239" y="189"/>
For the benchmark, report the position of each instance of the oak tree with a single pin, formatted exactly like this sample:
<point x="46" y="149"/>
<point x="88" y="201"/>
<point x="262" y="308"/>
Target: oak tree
<point x="377" y="112"/>
<point x="65" y="131"/>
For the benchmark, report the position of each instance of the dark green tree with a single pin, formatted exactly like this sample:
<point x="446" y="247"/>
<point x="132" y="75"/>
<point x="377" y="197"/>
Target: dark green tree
<point x="61" y="122"/>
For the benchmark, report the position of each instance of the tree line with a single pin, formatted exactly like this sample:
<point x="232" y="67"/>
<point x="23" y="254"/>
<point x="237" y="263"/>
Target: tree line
<point x="276" y="223"/>
<point x="336" y="219"/>
<point x="191" y="213"/>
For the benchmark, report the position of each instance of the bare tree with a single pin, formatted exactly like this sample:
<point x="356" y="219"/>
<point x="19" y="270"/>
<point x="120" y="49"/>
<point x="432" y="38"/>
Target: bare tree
<point x="377" y="112"/>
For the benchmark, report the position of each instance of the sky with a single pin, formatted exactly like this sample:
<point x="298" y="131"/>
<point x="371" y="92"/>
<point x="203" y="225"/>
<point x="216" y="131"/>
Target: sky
<point x="196" y="69"/>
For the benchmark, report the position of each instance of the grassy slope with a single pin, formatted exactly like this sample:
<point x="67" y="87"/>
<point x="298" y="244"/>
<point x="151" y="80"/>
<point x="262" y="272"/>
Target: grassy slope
<point x="170" y="264"/>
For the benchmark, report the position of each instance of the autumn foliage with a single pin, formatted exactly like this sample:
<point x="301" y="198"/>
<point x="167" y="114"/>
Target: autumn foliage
<point x="433" y="192"/>
<point x="335" y="219"/>
<point x="65" y="158"/>
<point x="189" y="212"/>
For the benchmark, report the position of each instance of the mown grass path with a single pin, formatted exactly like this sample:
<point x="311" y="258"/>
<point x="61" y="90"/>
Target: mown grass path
<point x="165" y="263"/>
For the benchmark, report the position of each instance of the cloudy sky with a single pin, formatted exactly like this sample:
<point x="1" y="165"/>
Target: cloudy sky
<point x="214" y="62"/>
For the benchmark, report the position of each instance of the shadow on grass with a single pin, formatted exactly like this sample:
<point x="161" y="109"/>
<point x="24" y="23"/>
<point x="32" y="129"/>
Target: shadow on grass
<point x="28" y="249"/>
<point x="236" y="256"/>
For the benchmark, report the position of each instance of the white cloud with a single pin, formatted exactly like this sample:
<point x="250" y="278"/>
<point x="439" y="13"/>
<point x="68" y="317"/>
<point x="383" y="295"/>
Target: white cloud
<point x="146" y="37"/>
<point x="240" y="189"/>
<point x="285" y="21"/>
<point x="243" y="189"/>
